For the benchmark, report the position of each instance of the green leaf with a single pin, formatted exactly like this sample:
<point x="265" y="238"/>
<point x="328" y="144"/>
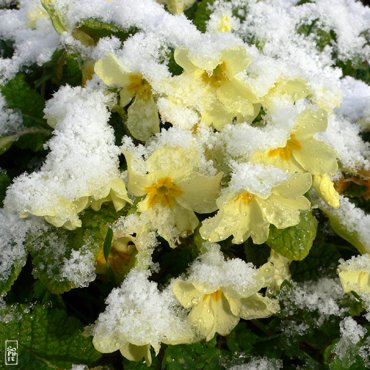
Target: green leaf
<point x="4" y="183"/>
<point x="6" y="49"/>
<point x="54" y="15"/>
<point x="108" y="243"/>
<point x="296" y="241"/>
<point x="47" y="338"/>
<point x="51" y="249"/>
<point x="22" y="98"/>
<point x="96" y="29"/>
<point x="343" y="231"/>
<point x="202" y="355"/>
<point x="6" y="142"/>
<point x="202" y="14"/>
<point x="15" y="269"/>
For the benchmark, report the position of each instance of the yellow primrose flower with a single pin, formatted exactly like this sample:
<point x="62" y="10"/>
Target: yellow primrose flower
<point x="173" y="189"/>
<point x="64" y="212"/>
<point x="301" y="151"/>
<point x="139" y="316"/>
<point x="114" y="192"/>
<point x="142" y="119"/>
<point x="354" y="274"/>
<point x="212" y="86"/>
<point x="247" y="211"/>
<point x="228" y="292"/>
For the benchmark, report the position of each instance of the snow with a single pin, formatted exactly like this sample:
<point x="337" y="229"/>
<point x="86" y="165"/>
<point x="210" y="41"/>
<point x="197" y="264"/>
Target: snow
<point x="214" y="272"/>
<point x="259" y="363"/>
<point x="32" y="33"/>
<point x="13" y="233"/>
<point x="321" y="296"/>
<point x="138" y="313"/>
<point x="83" y="159"/>
<point x="10" y="120"/>
<point x="80" y="267"/>
<point x="255" y="178"/>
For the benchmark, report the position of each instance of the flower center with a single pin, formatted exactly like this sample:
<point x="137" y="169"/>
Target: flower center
<point x="244" y="197"/>
<point x="285" y="152"/>
<point x="163" y="192"/>
<point x="139" y="86"/>
<point x="217" y="77"/>
<point x="215" y="296"/>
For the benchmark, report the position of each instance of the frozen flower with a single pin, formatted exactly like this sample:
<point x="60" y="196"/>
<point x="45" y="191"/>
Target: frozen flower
<point x="142" y="114"/>
<point x="220" y="292"/>
<point x="245" y="211"/>
<point x="292" y="89"/>
<point x="211" y="86"/>
<point x="139" y="316"/>
<point x="173" y="189"/>
<point x="301" y="151"/>
<point x="354" y="274"/>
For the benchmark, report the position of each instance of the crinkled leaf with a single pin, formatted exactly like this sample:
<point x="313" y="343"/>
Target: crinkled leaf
<point x="296" y="241"/>
<point x="345" y="356"/>
<point x="203" y="355"/>
<point x="8" y="280"/>
<point x="52" y="248"/>
<point x="47" y="338"/>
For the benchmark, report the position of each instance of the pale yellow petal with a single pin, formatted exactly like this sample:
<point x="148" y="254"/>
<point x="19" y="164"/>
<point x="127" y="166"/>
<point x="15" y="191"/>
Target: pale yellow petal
<point x="294" y="88"/>
<point x="258" y="307"/>
<point x="182" y="59"/>
<point x="142" y="118"/>
<point x="125" y="96"/>
<point x="237" y="219"/>
<point x="225" y="321"/>
<point x="236" y="60"/>
<point x="216" y="115"/>
<point x="283" y="212"/>
<point x="136" y="353"/>
<point x="309" y="122"/>
<point x="186" y="293"/>
<point x="137" y="182"/>
<point x="233" y="300"/>
<point x="111" y="72"/>
<point x="203" y="319"/>
<point x="237" y="98"/>
<point x="297" y="184"/>
<point x="356" y="280"/>
<point x="200" y="192"/>
<point x="316" y="157"/>
<point x="325" y="188"/>
<point x="106" y="342"/>
<point x="185" y="220"/>
<point x="175" y="162"/>
<point x="290" y="165"/>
